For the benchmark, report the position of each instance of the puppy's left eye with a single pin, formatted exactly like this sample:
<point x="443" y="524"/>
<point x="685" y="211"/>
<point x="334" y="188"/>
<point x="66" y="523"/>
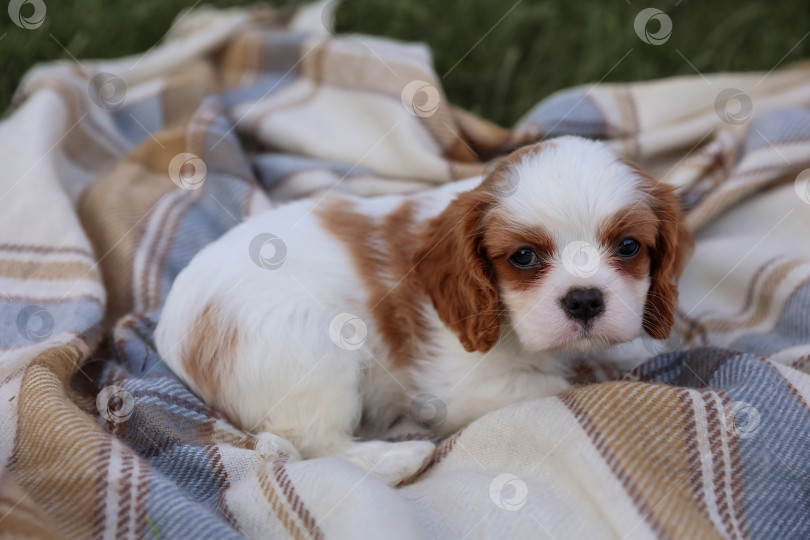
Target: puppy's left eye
<point x="524" y="258"/>
<point x="628" y="248"/>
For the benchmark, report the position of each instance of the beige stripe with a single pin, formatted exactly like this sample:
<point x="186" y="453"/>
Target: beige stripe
<point x="184" y="92"/>
<point x="113" y="211"/>
<point x="55" y="456"/>
<point x="640" y="429"/>
<point x="762" y="305"/>
<point x="47" y="270"/>
<point x="375" y="77"/>
<point x="727" y="195"/>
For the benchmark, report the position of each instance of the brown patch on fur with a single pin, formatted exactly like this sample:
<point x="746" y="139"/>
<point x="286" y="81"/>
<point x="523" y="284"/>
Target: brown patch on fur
<point x="639" y="223"/>
<point x="453" y="264"/>
<point x="443" y="258"/>
<point x="503" y="238"/>
<point x="453" y="267"/>
<point x="673" y="245"/>
<point x="381" y="249"/>
<point x="209" y="352"/>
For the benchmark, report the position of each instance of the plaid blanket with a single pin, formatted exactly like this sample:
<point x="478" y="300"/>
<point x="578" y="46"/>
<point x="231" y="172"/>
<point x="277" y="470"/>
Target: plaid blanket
<point x="115" y="173"/>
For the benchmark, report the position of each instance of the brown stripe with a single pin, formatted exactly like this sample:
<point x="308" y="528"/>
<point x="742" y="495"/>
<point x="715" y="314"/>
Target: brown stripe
<point x="569" y="400"/>
<point x="271" y="495"/>
<point x="764" y="300"/>
<point x="141" y="493"/>
<point x="729" y="193"/>
<point x="47" y="271"/>
<point x="23" y="248"/>
<point x="439" y="454"/>
<point x="280" y="473"/>
<point x="221" y="436"/>
<point x="737" y="503"/>
<point x="695" y="325"/>
<point x="220" y="473"/>
<point x="20" y="515"/>
<point x="178" y="208"/>
<point x="58" y="466"/>
<point x="802" y="363"/>
<point x="716" y="427"/>
<point x="124" y="495"/>
<point x="733" y="504"/>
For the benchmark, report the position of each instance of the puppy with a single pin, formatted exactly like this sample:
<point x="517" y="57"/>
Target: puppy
<point x="324" y="320"/>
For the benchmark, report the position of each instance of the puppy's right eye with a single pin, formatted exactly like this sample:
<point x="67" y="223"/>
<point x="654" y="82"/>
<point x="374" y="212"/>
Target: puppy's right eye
<point x="523" y="258"/>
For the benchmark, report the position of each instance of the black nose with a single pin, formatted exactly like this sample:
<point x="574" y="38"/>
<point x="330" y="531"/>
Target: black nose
<point x="583" y="304"/>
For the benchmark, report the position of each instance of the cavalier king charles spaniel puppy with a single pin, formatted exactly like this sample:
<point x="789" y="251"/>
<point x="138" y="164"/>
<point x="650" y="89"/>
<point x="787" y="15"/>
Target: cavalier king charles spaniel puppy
<point x="323" y="325"/>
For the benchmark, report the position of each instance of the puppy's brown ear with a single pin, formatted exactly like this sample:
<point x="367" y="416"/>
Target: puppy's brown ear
<point x="452" y="265"/>
<point x="672" y="249"/>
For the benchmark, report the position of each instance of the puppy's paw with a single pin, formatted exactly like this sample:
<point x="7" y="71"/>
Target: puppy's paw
<point x="392" y="462"/>
<point x="404" y="461"/>
<point x="270" y="446"/>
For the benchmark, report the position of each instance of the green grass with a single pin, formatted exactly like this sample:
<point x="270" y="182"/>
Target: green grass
<point x="497" y="70"/>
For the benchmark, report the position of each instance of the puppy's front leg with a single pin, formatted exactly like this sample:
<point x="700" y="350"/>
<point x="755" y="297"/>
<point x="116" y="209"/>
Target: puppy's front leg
<point x="481" y="393"/>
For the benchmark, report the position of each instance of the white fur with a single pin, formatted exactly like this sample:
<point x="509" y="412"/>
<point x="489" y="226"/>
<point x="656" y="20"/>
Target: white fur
<point x="289" y="377"/>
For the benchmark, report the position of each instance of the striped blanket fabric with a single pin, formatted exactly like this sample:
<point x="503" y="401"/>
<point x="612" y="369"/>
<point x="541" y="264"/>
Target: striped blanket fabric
<point x="115" y="173"/>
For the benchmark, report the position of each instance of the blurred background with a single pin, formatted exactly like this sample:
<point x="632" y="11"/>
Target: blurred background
<point x="496" y="58"/>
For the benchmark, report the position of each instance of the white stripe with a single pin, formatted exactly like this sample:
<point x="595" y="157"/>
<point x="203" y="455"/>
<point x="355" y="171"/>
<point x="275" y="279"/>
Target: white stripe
<point x="706" y="457"/>
<point x="154" y="233"/>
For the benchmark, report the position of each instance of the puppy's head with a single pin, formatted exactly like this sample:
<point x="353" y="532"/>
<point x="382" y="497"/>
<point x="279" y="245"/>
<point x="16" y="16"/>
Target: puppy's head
<point x="574" y="247"/>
